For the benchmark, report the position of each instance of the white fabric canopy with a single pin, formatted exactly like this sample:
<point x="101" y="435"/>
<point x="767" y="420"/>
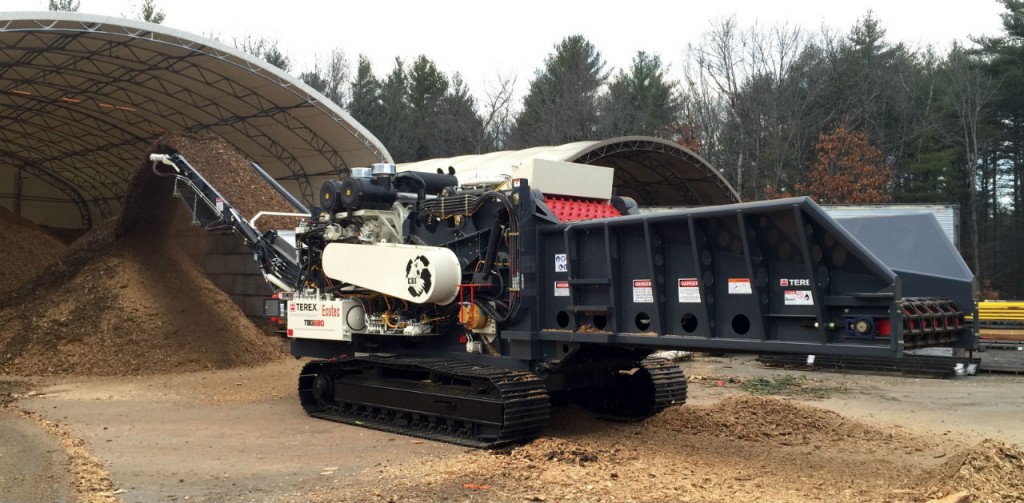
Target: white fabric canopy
<point x="653" y="171"/>
<point x="83" y="96"/>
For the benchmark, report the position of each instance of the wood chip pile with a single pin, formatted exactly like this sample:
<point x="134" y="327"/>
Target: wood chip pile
<point x="27" y="249"/>
<point x="989" y="471"/>
<point x="742" y="448"/>
<point x="230" y="173"/>
<point x="125" y="299"/>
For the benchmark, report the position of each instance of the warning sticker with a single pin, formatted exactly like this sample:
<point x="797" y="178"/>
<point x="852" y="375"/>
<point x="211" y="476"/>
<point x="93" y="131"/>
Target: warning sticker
<point x="689" y="291"/>
<point x="798" y="298"/>
<point x="561" y="262"/>
<point x="643" y="292"/>
<point x="561" y="289"/>
<point x="739" y="286"/>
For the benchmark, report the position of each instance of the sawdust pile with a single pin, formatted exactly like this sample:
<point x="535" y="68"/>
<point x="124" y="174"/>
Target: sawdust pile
<point x="125" y="300"/>
<point x="27" y="250"/>
<point x="989" y="471"/>
<point x="746" y="417"/>
<point x="739" y="449"/>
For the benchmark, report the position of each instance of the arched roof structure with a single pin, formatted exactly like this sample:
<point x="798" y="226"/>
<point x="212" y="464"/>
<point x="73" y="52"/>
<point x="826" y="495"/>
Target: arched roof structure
<point x="83" y="96"/>
<point x="653" y="171"/>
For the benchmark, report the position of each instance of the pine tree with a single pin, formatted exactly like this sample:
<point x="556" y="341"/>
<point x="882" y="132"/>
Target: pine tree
<point x="561" y="105"/>
<point x="641" y="102"/>
<point x="64" y="5"/>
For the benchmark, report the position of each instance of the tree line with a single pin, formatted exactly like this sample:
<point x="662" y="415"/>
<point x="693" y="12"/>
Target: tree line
<point x="844" y="117"/>
<point x="841" y="116"/>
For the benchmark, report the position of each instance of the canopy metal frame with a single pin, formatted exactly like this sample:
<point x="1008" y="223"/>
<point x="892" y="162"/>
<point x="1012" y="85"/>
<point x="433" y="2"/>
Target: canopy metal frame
<point x="83" y="98"/>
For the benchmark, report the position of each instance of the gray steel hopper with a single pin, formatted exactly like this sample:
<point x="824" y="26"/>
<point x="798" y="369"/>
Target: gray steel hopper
<point x="779" y="276"/>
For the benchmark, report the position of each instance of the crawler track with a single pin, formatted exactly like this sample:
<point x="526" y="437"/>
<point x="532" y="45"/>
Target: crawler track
<point x="438" y="399"/>
<point x="656" y="385"/>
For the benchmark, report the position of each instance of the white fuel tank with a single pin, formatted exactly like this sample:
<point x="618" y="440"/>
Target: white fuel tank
<point x="420" y="274"/>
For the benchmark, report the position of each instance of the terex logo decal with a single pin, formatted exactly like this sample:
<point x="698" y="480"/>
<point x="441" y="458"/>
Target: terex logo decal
<point x="305" y="306"/>
<point x="794" y="282"/>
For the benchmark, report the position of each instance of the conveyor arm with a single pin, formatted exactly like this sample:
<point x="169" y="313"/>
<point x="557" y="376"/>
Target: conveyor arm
<point x="211" y="210"/>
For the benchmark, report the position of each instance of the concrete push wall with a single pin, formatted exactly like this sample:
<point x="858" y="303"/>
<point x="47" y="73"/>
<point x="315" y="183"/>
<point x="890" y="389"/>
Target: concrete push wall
<point x="230" y="266"/>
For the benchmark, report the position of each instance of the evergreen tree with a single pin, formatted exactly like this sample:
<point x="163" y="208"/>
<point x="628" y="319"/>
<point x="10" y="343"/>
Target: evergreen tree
<point x="1001" y="176"/>
<point x="275" y="57"/>
<point x="641" y="102"/>
<point x="561" y="105"/>
<point x="428" y="87"/>
<point x="1006" y="66"/>
<point x="461" y="130"/>
<point x="64" y="5"/>
<point x="150" y="13"/>
<point x="364" y="104"/>
<point x="393" y="126"/>
<point x="418" y="113"/>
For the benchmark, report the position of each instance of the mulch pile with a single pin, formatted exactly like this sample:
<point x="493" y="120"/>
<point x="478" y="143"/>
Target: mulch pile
<point x="27" y="249"/>
<point x="989" y="471"/>
<point x="743" y="448"/>
<point x="748" y="417"/>
<point x="126" y="300"/>
<point x="229" y="172"/>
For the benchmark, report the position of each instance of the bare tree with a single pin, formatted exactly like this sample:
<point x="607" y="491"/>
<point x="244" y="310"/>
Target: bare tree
<point x="265" y="49"/>
<point x="499" y="112"/>
<point x="330" y="77"/>
<point x="970" y="90"/>
<point x="745" y="99"/>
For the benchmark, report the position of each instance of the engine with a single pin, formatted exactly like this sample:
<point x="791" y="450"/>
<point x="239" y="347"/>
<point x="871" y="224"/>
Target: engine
<point x="390" y="253"/>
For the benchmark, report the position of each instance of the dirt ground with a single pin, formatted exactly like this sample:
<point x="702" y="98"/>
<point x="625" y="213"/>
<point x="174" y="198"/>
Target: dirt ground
<point x="239" y="435"/>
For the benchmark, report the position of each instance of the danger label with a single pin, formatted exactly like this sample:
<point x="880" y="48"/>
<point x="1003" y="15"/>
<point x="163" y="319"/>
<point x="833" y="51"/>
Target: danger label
<point x="561" y="289"/>
<point x="798" y="298"/>
<point x="739" y="286"/>
<point x="643" y="292"/>
<point x="689" y="291"/>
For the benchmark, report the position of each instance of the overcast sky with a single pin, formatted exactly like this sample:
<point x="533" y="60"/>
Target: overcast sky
<point x="482" y="39"/>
